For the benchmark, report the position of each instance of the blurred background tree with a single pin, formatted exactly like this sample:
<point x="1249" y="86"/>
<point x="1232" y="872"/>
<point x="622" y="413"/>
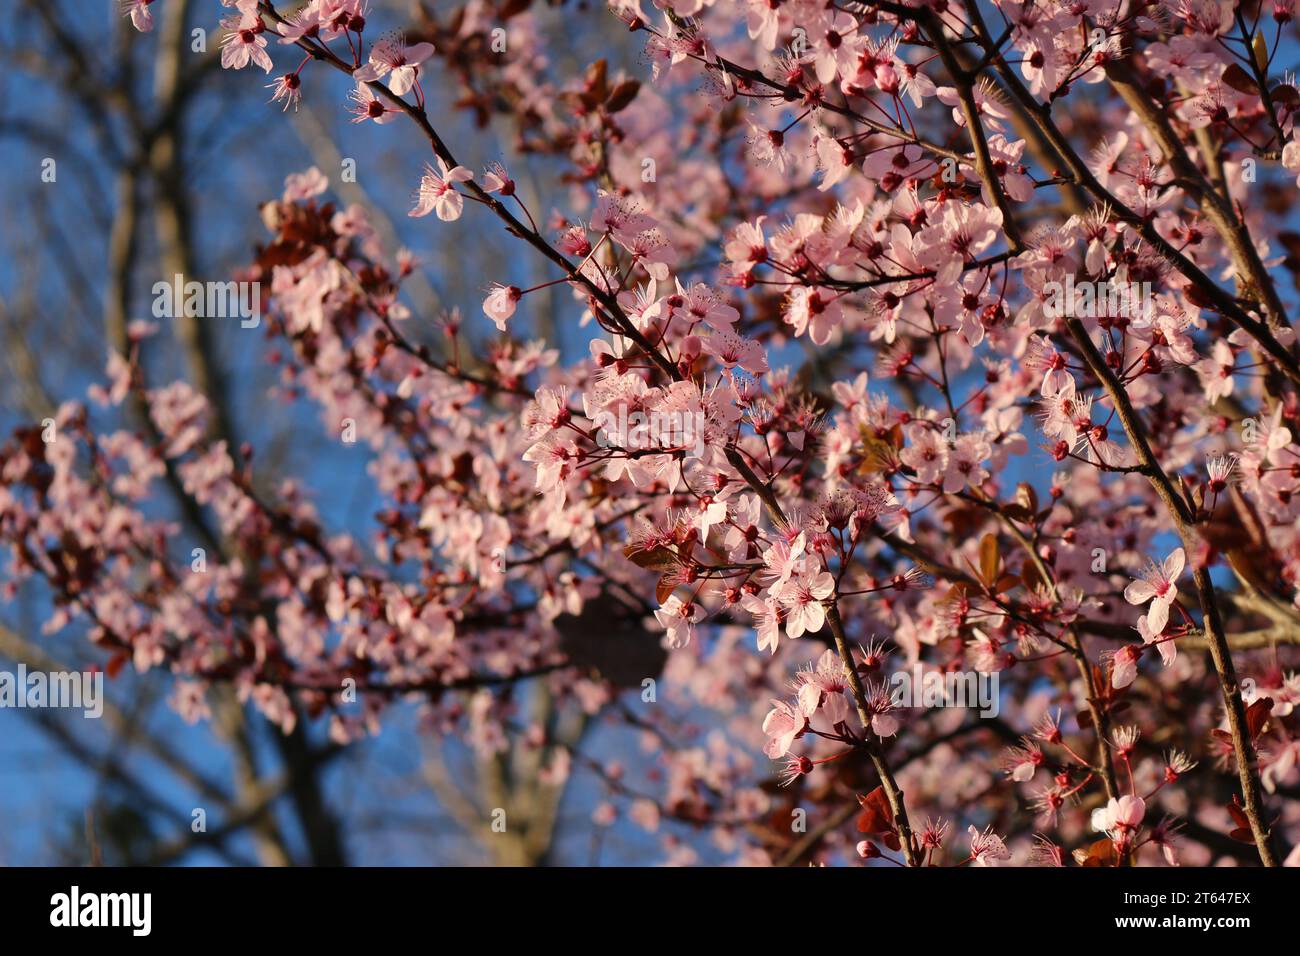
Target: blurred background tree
<point x="154" y="176"/>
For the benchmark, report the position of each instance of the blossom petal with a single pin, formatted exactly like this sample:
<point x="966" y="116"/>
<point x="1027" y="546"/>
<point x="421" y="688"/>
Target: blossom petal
<point x="1174" y="564"/>
<point x="1139" y="592"/>
<point x="1158" y="617"/>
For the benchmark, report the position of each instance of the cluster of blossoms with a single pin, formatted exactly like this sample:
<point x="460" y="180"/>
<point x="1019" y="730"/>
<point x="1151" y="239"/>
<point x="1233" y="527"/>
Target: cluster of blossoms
<point x="911" y="198"/>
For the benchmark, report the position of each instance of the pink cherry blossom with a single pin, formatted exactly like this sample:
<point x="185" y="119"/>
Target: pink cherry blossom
<point x="1123" y="667"/>
<point x="783" y="725"/>
<point x="679" y="619"/>
<point x="987" y="848"/>
<point x="802" y="597"/>
<point x="140" y="14"/>
<point x="1158" y="584"/>
<point x="391" y="57"/>
<point x="1120" y="818"/>
<point x="368" y="105"/>
<point x="437" y="192"/>
<point x="243" y="43"/>
<point x="500" y="304"/>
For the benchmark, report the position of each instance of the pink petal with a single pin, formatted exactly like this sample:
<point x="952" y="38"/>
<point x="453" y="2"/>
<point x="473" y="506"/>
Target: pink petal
<point x="1158" y="617"/>
<point x="1139" y="592"/>
<point x="1174" y="564"/>
<point x="418" y="53"/>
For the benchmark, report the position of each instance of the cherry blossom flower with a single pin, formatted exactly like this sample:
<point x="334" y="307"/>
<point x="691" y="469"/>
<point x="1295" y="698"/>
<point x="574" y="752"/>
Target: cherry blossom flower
<point x="1020" y="763"/>
<point x="934" y="833"/>
<point x="391" y="57"/>
<point x="1157" y="584"/>
<point x="244" y="44"/>
<point x="1167" y="648"/>
<point x="500" y="304"/>
<point x="802" y="598"/>
<point x="815" y="313"/>
<point x="1219" y="470"/>
<point x="893" y="165"/>
<point x="305" y="23"/>
<point x="822" y="689"/>
<point x="880" y="708"/>
<point x="733" y="350"/>
<point x="783" y="559"/>
<point x="305" y="185"/>
<point x="927" y="454"/>
<point x="746" y="248"/>
<point x="287" y="88"/>
<point x="835" y="50"/>
<point x="1120" y="818"/>
<point x="783" y="725"/>
<point x="497" y="180"/>
<point x="957" y="238"/>
<point x="766" y="616"/>
<point x="1123" y="666"/>
<point x="437" y="192"/>
<point x="835" y="160"/>
<point x="678" y="619"/>
<point x="139" y="12"/>
<point x="795" y="767"/>
<point x="366" y="105"/>
<point x="699" y="303"/>
<point x="964" y="466"/>
<point x="1216" y="372"/>
<point x="987" y="848"/>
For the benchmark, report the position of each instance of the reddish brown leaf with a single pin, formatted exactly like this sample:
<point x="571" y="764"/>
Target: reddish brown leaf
<point x="955" y="593"/>
<point x="1101" y="853"/>
<point x="1286" y="94"/>
<point x="1199" y="298"/>
<point x="664" y="588"/>
<point x="1027" y="497"/>
<point x="595" y="81"/>
<point x="1257" y="715"/>
<point x="654" y="559"/>
<point x="875" y="816"/>
<point x="1006" y="583"/>
<point x="1237" y="813"/>
<point x="989" y="558"/>
<point x="1018" y="512"/>
<point x="622" y="95"/>
<point x="1240" y="80"/>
